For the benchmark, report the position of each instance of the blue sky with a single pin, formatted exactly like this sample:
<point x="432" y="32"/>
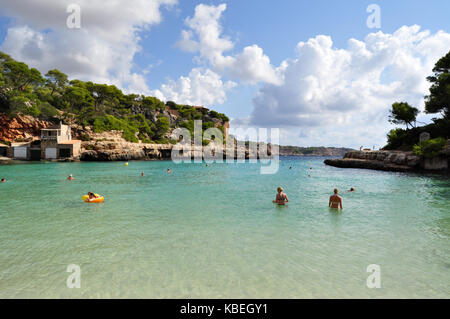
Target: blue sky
<point x="153" y="57"/>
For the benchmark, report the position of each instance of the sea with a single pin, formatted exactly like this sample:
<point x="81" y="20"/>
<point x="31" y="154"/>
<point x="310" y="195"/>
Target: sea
<point x="213" y="231"/>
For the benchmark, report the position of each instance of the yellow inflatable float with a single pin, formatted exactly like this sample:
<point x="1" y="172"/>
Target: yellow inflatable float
<point x="98" y="198"/>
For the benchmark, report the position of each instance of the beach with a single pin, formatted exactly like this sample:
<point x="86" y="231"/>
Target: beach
<point x="213" y="232"/>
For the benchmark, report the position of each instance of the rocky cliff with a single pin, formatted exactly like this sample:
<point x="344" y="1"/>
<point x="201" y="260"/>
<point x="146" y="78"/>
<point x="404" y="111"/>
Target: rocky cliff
<point x="20" y="128"/>
<point x="398" y="161"/>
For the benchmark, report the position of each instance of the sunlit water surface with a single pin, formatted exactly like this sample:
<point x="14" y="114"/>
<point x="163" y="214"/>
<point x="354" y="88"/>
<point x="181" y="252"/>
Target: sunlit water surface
<point x="213" y="232"/>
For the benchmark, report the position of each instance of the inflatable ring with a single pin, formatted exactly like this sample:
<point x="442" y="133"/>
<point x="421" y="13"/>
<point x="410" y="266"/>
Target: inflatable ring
<point x="98" y="199"/>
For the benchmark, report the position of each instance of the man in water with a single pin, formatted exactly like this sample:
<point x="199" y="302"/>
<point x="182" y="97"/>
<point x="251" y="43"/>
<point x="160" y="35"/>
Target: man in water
<point x="281" y="197"/>
<point x="169" y="170"/>
<point x="335" y="200"/>
<point x="351" y="190"/>
<point x="3" y="180"/>
<point x="142" y="174"/>
<point x="70" y="178"/>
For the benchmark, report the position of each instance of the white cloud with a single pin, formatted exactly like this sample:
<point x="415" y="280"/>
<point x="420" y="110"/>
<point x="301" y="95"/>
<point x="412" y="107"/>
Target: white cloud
<point x="205" y="37"/>
<point x="102" y="50"/>
<point x="199" y="88"/>
<point x="331" y="94"/>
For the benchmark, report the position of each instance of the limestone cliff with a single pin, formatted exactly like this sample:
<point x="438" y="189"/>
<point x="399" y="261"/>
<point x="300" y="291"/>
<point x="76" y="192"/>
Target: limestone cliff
<point x="20" y="128"/>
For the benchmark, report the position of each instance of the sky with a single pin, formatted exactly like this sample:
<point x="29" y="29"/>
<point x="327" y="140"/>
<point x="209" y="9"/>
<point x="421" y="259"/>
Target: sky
<point x="324" y="72"/>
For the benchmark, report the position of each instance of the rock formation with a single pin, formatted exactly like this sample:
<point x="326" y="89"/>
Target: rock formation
<point x="398" y="161"/>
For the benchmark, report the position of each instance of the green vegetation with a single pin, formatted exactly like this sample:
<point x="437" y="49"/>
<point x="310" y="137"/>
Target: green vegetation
<point x="103" y="107"/>
<point x="429" y="148"/>
<point x="403" y="113"/>
<point x="438" y="101"/>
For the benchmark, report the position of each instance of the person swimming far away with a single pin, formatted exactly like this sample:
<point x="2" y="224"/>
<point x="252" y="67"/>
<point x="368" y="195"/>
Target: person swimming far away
<point x="3" y="180"/>
<point x="335" y="200"/>
<point x="281" y="198"/>
<point x="351" y="189"/>
<point x="70" y="178"/>
<point x="142" y="174"/>
<point x="169" y="170"/>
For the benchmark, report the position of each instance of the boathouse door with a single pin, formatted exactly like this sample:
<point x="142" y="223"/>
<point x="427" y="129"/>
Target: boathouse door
<point x="35" y="154"/>
<point x="50" y="152"/>
<point x="64" y="152"/>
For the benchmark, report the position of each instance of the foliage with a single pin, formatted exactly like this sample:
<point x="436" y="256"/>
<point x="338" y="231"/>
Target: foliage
<point x="437" y="101"/>
<point x="439" y="98"/>
<point x="429" y="148"/>
<point x="403" y="113"/>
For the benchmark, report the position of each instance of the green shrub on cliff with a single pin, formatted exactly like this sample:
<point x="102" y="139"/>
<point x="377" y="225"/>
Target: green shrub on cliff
<point x="429" y="148"/>
<point x="109" y="122"/>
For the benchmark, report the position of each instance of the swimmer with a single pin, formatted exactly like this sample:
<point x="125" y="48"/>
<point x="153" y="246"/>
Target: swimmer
<point x="142" y="174"/>
<point x="290" y="167"/>
<point x="91" y="195"/>
<point x="3" y="180"/>
<point x="169" y="170"/>
<point x="351" y="190"/>
<point x="70" y="178"/>
<point x="335" y="200"/>
<point x="281" y="197"/>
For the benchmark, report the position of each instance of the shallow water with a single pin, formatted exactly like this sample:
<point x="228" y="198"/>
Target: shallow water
<point x="213" y="232"/>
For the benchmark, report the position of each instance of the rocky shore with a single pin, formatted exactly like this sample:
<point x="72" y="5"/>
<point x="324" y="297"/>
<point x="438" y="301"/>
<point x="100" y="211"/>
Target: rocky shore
<point x="397" y="161"/>
<point x="110" y="146"/>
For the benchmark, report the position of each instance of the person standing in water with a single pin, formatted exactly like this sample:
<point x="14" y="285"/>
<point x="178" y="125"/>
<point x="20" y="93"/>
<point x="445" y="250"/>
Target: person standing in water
<point x="281" y="198"/>
<point x="335" y="200"/>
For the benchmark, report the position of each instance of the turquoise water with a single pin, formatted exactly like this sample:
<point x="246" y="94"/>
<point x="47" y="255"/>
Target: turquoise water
<point x="213" y="232"/>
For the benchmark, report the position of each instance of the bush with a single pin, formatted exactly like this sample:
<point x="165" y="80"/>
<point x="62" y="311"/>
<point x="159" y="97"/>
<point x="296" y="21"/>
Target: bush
<point x="109" y="122"/>
<point x="430" y="148"/>
<point x="32" y="110"/>
<point x="47" y="110"/>
<point x="85" y="137"/>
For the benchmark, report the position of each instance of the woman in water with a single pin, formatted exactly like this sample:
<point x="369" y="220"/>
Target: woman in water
<point x="281" y="198"/>
<point x="335" y="200"/>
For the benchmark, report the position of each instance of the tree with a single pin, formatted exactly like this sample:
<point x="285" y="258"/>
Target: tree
<point x="162" y="126"/>
<point x="78" y="97"/>
<point x="403" y="113"/>
<point x="439" y="98"/>
<point x="20" y="75"/>
<point x="56" y="80"/>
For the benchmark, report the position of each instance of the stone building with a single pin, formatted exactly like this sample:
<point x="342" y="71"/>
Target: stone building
<point x="55" y="143"/>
